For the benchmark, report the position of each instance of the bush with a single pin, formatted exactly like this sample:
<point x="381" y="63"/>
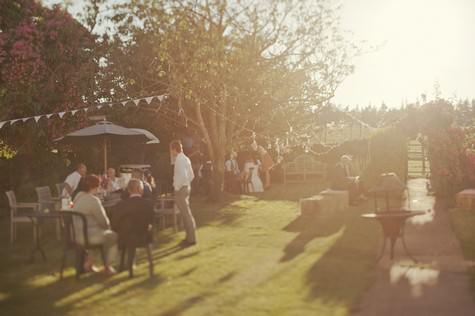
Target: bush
<point x="387" y="153"/>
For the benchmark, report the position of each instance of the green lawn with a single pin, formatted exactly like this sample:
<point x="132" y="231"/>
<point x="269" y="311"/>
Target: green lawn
<point x="256" y="256"/>
<point x="463" y="223"/>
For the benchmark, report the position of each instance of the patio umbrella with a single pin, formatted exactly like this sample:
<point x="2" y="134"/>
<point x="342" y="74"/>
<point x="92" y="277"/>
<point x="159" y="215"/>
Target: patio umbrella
<point x="104" y="132"/>
<point x="152" y="139"/>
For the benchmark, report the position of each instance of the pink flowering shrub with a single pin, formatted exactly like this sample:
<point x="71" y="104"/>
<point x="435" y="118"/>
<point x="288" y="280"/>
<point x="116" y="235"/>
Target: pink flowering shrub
<point x="47" y="64"/>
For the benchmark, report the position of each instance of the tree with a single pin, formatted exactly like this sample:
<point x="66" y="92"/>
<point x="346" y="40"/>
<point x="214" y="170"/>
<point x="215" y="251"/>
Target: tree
<point x="47" y="64"/>
<point x="234" y="67"/>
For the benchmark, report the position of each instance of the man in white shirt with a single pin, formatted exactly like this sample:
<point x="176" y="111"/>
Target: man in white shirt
<point x="72" y="181"/>
<point x="182" y="177"/>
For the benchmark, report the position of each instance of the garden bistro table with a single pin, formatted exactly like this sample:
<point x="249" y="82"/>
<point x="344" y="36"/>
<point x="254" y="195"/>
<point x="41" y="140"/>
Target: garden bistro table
<point x="392" y="222"/>
<point x="37" y="218"/>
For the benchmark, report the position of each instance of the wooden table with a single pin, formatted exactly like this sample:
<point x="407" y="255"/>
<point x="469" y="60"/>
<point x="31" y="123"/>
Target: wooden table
<point x="392" y="223"/>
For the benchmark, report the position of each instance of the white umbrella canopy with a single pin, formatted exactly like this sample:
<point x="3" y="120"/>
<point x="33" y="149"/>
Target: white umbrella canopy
<point x="104" y="132"/>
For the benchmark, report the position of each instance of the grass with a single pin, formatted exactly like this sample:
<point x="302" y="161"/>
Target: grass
<point x="463" y="223"/>
<point x="255" y="256"/>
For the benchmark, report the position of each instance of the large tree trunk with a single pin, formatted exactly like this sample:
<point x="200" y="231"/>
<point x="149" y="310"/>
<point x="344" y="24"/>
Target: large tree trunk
<point x="215" y="143"/>
<point x="218" y="179"/>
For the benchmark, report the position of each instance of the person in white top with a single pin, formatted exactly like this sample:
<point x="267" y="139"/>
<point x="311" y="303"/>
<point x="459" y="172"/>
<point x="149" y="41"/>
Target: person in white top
<point x="72" y="181"/>
<point x="231" y="174"/>
<point x="111" y="182"/>
<point x="182" y="177"/>
<point x="251" y="171"/>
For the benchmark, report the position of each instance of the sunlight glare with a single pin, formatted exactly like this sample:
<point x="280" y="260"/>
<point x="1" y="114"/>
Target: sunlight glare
<point x="417" y="43"/>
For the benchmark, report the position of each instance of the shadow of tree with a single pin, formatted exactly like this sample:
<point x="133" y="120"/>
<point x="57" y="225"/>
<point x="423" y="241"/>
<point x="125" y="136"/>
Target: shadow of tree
<point x="187" y="304"/>
<point x="344" y="267"/>
<point x="309" y="227"/>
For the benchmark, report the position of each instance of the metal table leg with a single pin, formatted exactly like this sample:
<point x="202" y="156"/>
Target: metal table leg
<point x="37" y="242"/>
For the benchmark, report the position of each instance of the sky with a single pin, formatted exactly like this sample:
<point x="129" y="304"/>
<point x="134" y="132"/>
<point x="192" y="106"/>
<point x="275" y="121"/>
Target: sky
<point x="417" y="43"/>
<point x="408" y="46"/>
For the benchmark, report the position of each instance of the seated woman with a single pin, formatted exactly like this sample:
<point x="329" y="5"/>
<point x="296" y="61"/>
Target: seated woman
<point x="98" y="225"/>
<point x="251" y="172"/>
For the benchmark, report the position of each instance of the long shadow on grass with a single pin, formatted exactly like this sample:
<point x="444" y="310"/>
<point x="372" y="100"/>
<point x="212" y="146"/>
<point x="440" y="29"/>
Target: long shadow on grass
<point x="196" y="299"/>
<point x="348" y="268"/>
<point x="292" y="191"/>
<point x="224" y="212"/>
<point x="36" y="288"/>
<point x="186" y="304"/>
<point x="309" y="227"/>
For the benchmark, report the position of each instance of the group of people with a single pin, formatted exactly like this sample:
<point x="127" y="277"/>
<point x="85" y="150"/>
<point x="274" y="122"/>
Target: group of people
<point x="254" y="174"/>
<point x="132" y="217"/>
<point x="110" y="182"/>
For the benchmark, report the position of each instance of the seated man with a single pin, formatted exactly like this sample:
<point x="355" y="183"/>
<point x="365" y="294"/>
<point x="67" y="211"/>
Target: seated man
<point x="342" y="179"/>
<point x="133" y="217"/>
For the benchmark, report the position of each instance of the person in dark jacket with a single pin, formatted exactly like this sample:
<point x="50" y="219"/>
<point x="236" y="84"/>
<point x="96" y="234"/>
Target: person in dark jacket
<point x="133" y="217"/>
<point x="146" y="187"/>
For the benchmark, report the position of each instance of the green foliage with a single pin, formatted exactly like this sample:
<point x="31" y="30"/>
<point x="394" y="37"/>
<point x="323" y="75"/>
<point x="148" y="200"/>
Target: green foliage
<point x="463" y="222"/>
<point x="6" y="152"/>
<point x="232" y="67"/>
<point x="446" y="143"/>
<point x="387" y="153"/>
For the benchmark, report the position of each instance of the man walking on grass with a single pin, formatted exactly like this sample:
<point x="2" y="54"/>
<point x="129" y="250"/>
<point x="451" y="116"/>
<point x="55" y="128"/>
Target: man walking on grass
<point x="182" y="177"/>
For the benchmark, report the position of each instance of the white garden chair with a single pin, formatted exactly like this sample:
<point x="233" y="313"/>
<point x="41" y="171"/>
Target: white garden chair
<point x="16" y="217"/>
<point x="47" y="203"/>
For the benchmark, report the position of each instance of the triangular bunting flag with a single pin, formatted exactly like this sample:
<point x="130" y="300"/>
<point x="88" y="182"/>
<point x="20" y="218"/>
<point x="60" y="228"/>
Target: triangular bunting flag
<point x="136" y="102"/>
<point x="61" y="114"/>
<point x="110" y="105"/>
<point x="50" y="115"/>
<point x="3" y="123"/>
<point x="14" y="121"/>
<point x="74" y="112"/>
<point x="86" y="109"/>
<point x="37" y="118"/>
<point x="25" y="119"/>
<point x="99" y="107"/>
<point x="160" y="98"/>
<point x="124" y="103"/>
<point x="149" y="100"/>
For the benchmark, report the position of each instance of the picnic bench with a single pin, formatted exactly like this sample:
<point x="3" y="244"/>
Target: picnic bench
<point x="302" y="169"/>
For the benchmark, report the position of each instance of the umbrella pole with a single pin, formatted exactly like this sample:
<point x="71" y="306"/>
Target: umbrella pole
<point x="105" y="155"/>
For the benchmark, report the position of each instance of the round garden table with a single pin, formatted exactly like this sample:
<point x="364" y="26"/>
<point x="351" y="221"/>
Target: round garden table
<point x="392" y="223"/>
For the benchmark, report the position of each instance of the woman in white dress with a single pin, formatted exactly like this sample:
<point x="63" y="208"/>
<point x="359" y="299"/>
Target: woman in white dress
<point x="251" y="170"/>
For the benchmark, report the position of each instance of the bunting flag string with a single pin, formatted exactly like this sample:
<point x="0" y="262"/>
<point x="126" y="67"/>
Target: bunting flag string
<point x="62" y="114"/>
